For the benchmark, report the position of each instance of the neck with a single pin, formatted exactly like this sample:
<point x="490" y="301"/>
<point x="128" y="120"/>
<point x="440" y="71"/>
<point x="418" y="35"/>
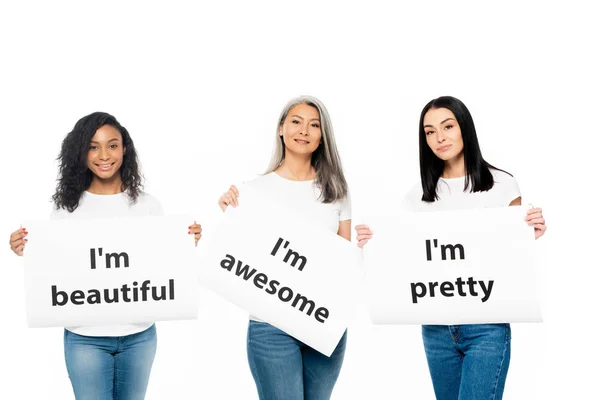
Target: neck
<point x="296" y="168"/>
<point x="106" y="186"/>
<point x="454" y="168"/>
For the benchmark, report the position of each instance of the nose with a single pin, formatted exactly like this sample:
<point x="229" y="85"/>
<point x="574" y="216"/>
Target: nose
<point x="304" y="130"/>
<point x="440" y="136"/>
<point x="103" y="155"/>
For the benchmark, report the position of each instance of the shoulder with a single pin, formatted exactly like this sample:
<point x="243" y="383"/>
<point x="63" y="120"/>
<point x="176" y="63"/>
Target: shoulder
<point x="502" y="177"/>
<point x="267" y="179"/>
<point x="506" y="184"/>
<point x="150" y="203"/>
<point x="146" y="198"/>
<point x="345" y="207"/>
<point x="413" y="197"/>
<point x="58" y="213"/>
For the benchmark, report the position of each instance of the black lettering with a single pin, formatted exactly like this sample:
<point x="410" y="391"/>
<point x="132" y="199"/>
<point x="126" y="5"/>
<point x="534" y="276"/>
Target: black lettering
<point x="321" y="314"/>
<point x="432" y="286"/>
<point x="415" y="295"/>
<point x="228" y="262"/>
<point x="239" y="271"/>
<point x="117" y="258"/>
<point x="93" y="296"/>
<point x="144" y="290"/>
<point x="471" y="284"/>
<point x="446" y="289"/>
<point x="305" y="301"/>
<point x="452" y="249"/>
<point x="171" y="289"/>
<point x="163" y="295"/>
<point x="459" y="287"/>
<point x="428" y="249"/>
<point x="272" y="287"/>
<point x="77" y="297"/>
<point x="124" y="291"/>
<point x="297" y="257"/>
<point x="115" y="298"/>
<point x="487" y="291"/>
<point x="274" y="251"/>
<point x="260" y="280"/>
<point x="93" y="258"/>
<point x="55" y="294"/>
<point x="281" y="296"/>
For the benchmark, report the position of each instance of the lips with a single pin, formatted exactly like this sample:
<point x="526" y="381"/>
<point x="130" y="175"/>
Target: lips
<point x="444" y="148"/>
<point x="300" y="141"/>
<point x="105" y="167"/>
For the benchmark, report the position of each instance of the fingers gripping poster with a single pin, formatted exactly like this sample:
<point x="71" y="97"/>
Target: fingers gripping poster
<point x="125" y="270"/>
<point x="298" y="277"/>
<point x="452" y="267"/>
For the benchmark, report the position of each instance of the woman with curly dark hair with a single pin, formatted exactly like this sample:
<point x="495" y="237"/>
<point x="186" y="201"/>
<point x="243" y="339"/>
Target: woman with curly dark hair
<point x="99" y="177"/>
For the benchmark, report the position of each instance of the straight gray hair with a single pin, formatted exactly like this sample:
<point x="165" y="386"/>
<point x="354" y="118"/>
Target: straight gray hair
<point x="325" y="159"/>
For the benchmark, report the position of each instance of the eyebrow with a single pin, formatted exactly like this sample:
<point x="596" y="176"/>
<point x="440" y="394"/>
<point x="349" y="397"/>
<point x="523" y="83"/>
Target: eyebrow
<point x="313" y="119"/>
<point x="446" y="120"/>
<point x="111" y="140"/>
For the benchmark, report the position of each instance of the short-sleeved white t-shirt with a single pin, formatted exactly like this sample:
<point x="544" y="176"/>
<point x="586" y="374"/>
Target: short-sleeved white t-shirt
<point x="95" y="206"/>
<point x="452" y="195"/>
<point x="302" y="198"/>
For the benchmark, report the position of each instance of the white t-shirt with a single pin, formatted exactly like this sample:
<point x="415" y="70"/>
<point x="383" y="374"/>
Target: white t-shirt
<point x="302" y="198"/>
<point x="95" y="206"/>
<point x="452" y="195"/>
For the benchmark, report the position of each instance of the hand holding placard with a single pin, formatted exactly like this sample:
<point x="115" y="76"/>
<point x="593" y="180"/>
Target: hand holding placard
<point x="283" y="270"/>
<point x="450" y="268"/>
<point x="105" y="276"/>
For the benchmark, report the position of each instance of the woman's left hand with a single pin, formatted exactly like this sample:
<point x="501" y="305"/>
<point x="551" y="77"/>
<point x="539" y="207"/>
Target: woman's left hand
<point x="196" y="230"/>
<point x="535" y="218"/>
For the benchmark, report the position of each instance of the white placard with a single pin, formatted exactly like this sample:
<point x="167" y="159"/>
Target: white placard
<point x="296" y="276"/>
<point x="452" y="267"/>
<point x="109" y="271"/>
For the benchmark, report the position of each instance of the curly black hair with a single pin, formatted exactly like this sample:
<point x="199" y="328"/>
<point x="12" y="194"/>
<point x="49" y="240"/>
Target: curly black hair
<point x="74" y="176"/>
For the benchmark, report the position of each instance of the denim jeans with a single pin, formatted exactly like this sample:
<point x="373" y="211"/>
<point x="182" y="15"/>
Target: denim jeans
<point x="467" y="362"/>
<point x="286" y="369"/>
<point x="110" y="367"/>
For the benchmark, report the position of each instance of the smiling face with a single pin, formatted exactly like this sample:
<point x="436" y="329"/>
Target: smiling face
<point x="301" y="130"/>
<point x="106" y="152"/>
<point x="443" y="134"/>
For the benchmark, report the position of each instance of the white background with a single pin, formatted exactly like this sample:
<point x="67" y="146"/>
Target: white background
<point x="200" y="88"/>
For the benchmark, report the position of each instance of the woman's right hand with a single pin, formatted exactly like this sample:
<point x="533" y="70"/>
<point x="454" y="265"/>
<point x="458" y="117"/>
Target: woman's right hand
<point x="230" y="197"/>
<point x="17" y="241"/>
<point x="363" y="234"/>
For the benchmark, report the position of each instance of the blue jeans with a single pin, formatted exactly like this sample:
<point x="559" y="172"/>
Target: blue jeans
<point x="286" y="369"/>
<point x="110" y="367"/>
<point x="467" y="362"/>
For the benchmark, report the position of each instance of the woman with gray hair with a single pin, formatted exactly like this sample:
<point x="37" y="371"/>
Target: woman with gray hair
<point x="305" y="176"/>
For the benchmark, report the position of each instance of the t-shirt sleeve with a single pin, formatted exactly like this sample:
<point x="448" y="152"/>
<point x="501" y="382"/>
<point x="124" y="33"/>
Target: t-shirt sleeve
<point x="513" y="188"/>
<point x="411" y="198"/>
<point x="346" y="208"/>
<point x="510" y="187"/>
<point x="57" y="213"/>
<point x="156" y="208"/>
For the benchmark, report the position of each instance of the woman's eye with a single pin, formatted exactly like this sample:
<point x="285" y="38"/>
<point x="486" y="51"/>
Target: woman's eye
<point x="93" y="147"/>
<point x="295" y="121"/>
<point x="449" y="127"/>
<point x="429" y="133"/>
<point x="114" y="146"/>
<point x="315" y="125"/>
